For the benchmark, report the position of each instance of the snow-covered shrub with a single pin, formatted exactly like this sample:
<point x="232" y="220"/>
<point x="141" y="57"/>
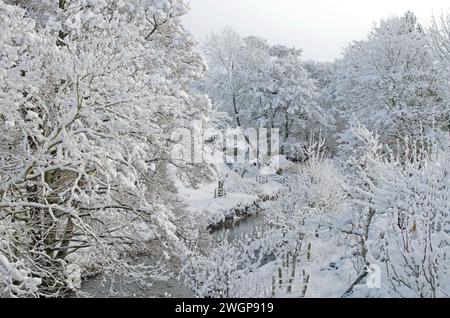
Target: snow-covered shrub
<point x="312" y="197"/>
<point x="212" y="275"/>
<point x="218" y="271"/>
<point x="16" y="279"/>
<point x="407" y="229"/>
<point x="321" y="186"/>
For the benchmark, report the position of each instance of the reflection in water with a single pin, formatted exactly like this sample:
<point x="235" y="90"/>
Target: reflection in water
<point x="171" y="288"/>
<point x="235" y="230"/>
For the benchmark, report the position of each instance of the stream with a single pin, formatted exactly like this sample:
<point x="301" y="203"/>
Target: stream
<point x="98" y="288"/>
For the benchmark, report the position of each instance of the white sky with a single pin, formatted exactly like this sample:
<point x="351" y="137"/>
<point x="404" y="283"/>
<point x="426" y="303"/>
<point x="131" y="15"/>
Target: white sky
<point x="320" y="27"/>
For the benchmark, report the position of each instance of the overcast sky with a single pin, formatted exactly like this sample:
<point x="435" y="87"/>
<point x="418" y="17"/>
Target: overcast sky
<point x="320" y="27"/>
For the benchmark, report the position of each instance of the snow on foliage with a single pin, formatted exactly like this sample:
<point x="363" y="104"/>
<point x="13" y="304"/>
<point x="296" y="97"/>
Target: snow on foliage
<point x="409" y="234"/>
<point x="260" y="85"/>
<point x="90" y="91"/>
<point x="16" y="280"/>
<point x="389" y="82"/>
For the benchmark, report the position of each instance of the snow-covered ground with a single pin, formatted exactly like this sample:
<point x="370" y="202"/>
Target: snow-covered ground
<point x="243" y="197"/>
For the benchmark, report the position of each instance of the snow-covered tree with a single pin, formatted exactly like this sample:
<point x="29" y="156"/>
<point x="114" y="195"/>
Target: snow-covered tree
<point x="324" y="74"/>
<point x="389" y="82"/>
<point x="226" y="80"/>
<point x="287" y="100"/>
<point x="439" y="35"/>
<point x="262" y="86"/>
<point x="89" y="94"/>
